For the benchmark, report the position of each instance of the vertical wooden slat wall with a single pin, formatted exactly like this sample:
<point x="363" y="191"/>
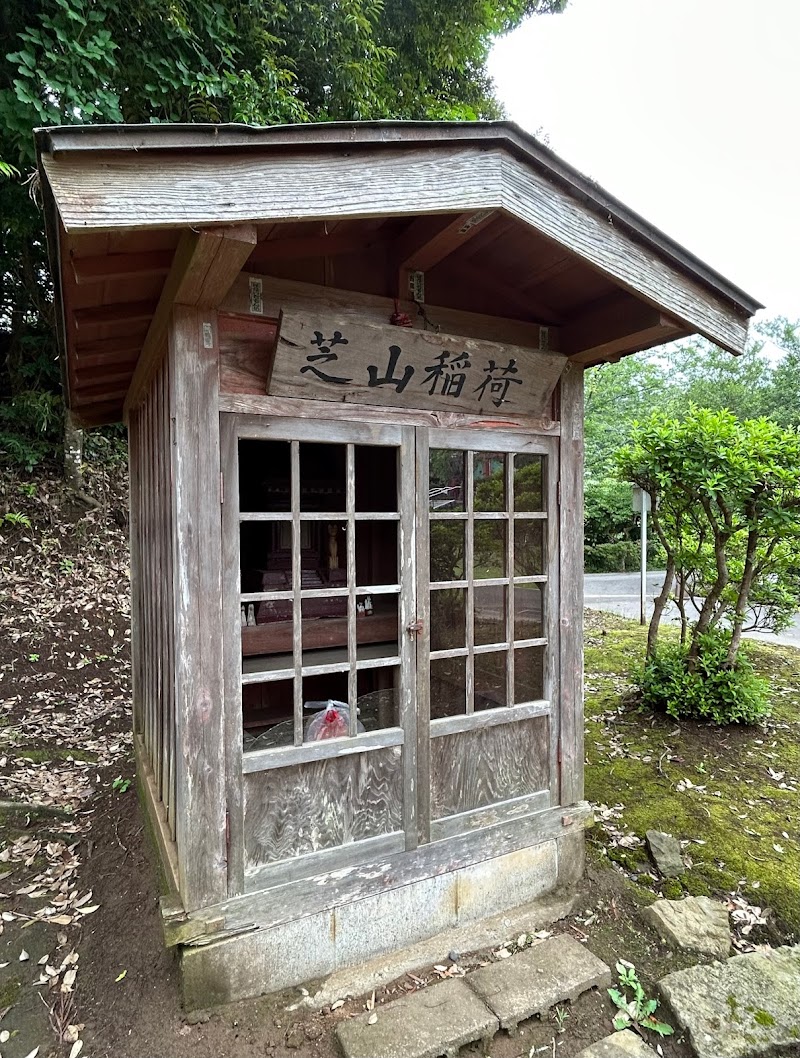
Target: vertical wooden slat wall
<point x="152" y="589"/>
<point x="571" y="584"/>
<point x="200" y="809"/>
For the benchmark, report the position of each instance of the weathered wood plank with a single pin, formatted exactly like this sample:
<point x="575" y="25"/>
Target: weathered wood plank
<point x="407" y="644"/>
<point x="571" y="586"/>
<point x="200" y="750"/>
<point x="492" y="815"/>
<point x="292" y="407"/>
<point x="346" y="359"/>
<point x="203" y="268"/>
<point x="322" y="804"/>
<point x="103" y="267"/>
<point x="289" y="296"/>
<point x="423" y="643"/>
<point x="270" y="906"/>
<point x="232" y="653"/>
<point x="288" y="756"/>
<point x="135" y="530"/>
<point x="98" y="194"/>
<point x="452" y="725"/>
<point x="157" y="816"/>
<point x="514" y="762"/>
<point x="529" y="196"/>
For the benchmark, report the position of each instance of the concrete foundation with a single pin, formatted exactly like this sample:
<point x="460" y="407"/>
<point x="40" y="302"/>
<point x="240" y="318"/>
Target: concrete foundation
<point x="351" y="934"/>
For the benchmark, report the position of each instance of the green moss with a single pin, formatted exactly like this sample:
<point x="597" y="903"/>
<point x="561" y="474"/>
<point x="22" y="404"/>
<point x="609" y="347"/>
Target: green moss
<point x="733" y="1007"/>
<point x="41" y="754"/>
<point x="9" y="992"/>
<point x="763" y="1017"/>
<point x="742" y="812"/>
<point x="672" y="889"/>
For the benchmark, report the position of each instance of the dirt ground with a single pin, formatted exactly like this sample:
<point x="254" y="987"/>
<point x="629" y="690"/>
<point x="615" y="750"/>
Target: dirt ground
<point x="83" y="969"/>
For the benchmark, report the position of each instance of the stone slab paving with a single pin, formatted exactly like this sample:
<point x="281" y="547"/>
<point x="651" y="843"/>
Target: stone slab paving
<point x="435" y="1021"/>
<point x="536" y="979"/>
<point x="696" y="923"/>
<point x="745" y="1007"/>
<point x="624" y="1044"/>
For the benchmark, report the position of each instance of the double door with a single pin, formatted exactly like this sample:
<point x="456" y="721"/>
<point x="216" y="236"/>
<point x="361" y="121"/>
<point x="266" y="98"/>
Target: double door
<point x="390" y="627"/>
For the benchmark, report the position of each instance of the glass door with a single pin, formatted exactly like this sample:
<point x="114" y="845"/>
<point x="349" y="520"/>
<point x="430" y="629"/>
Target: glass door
<point x="320" y="590"/>
<point x="486" y="562"/>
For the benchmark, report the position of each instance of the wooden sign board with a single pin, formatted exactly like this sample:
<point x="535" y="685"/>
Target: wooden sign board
<point x="324" y="356"/>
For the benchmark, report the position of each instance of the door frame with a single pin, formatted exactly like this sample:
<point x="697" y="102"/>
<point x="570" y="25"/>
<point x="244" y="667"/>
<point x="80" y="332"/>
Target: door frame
<point x="413" y="444"/>
<point x="470" y="441"/>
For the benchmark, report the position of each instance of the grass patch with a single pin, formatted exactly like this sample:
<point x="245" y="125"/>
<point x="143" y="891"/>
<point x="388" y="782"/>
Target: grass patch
<point x="731" y="792"/>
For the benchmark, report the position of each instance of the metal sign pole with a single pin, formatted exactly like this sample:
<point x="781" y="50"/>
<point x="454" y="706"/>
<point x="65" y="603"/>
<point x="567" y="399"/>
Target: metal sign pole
<point x="643" y="593"/>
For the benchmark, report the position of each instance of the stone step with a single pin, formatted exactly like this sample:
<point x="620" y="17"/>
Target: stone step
<point x="534" y="980"/>
<point x="695" y="923"/>
<point x="435" y="1021"/>
<point x="745" y="1007"/>
<point x="624" y="1044"/>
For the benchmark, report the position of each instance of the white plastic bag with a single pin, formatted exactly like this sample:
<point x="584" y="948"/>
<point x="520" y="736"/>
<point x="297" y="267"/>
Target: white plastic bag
<point x="332" y="721"/>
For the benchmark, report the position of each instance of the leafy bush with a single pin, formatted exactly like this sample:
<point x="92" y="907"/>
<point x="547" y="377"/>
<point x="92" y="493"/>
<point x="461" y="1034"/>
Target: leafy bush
<point x="709" y="689"/>
<point x="623" y="556"/>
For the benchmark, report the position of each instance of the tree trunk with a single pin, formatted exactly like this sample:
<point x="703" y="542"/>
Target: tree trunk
<point x="658" y="605"/>
<point x="744" y="594"/>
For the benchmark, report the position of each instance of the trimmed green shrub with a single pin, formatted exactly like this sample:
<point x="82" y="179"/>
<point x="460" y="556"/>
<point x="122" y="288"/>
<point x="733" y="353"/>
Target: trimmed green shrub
<point x="712" y="689"/>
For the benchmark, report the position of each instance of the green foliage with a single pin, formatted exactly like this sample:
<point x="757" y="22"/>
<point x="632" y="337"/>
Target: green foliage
<point x="143" y="61"/>
<point x="711" y="689"/>
<point x="120" y="785"/>
<point x="637" y="1010"/>
<point x="726" y="509"/>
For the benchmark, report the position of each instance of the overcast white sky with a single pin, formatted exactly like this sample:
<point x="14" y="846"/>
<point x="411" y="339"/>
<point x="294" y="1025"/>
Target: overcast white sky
<point x="686" y="110"/>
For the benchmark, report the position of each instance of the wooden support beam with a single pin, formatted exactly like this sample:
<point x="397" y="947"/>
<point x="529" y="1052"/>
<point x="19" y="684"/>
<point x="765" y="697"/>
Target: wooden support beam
<point x="107" y="354"/>
<point x="203" y="269"/>
<point x="615" y="327"/>
<point x="99" y="268"/>
<point x="114" y="397"/>
<point x="424" y="244"/>
<point x="313" y="246"/>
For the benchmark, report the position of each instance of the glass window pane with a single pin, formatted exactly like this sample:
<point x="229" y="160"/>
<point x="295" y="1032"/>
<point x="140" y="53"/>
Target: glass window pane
<point x="376" y="553"/>
<point x="448" y="687"/>
<point x="264" y="476"/>
<point x="528" y="675"/>
<point x="446" y="480"/>
<point x="376" y="478"/>
<point x="490" y="614"/>
<point x="529" y="611"/>
<point x="324" y="626"/>
<point x="447" y="550"/>
<point x="529" y="483"/>
<point x="379" y="698"/>
<point x="376" y="626"/>
<point x="490" y="680"/>
<point x="448" y="618"/>
<point x="529" y="547"/>
<point x="322" y="477"/>
<point x="490" y="549"/>
<point x="325" y="710"/>
<point x="267" y="711"/>
<point x="489" y="481"/>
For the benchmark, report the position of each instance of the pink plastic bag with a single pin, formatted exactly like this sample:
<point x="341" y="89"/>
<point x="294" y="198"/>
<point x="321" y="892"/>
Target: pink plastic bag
<point x="332" y="721"/>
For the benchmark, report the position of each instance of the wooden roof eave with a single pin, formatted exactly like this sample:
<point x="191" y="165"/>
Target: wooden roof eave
<point x="132" y="191"/>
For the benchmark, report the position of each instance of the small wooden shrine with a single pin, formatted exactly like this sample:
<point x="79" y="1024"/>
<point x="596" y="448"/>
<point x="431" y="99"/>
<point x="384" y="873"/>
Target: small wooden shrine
<point x="351" y="358"/>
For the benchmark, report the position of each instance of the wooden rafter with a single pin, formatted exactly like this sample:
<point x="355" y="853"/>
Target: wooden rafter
<point x="423" y="246"/>
<point x="102" y="267"/>
<point x="203" y="268"/>
<point x="121" y="312"/>
<point x="614" y="327"/>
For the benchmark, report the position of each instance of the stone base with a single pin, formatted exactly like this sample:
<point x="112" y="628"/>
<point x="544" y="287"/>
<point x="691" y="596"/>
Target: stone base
<point x="295" y="952"/>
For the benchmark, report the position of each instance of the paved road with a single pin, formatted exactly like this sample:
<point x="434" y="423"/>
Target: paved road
<point x="619" y="593"/>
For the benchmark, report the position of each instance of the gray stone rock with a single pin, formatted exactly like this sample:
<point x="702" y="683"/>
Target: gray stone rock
<point x="745" y="1007"/>
<point x="624" y="1044"/>
<point x="427" y="1024"/>
<point x="536" y="979"/>
<point x="696" y="923"/>
<point x="665" y="852"/>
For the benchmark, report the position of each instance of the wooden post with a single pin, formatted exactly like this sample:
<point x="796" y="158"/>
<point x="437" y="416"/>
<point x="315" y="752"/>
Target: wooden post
<point x="571" y="585"/>
<point x="200" y="750"/>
